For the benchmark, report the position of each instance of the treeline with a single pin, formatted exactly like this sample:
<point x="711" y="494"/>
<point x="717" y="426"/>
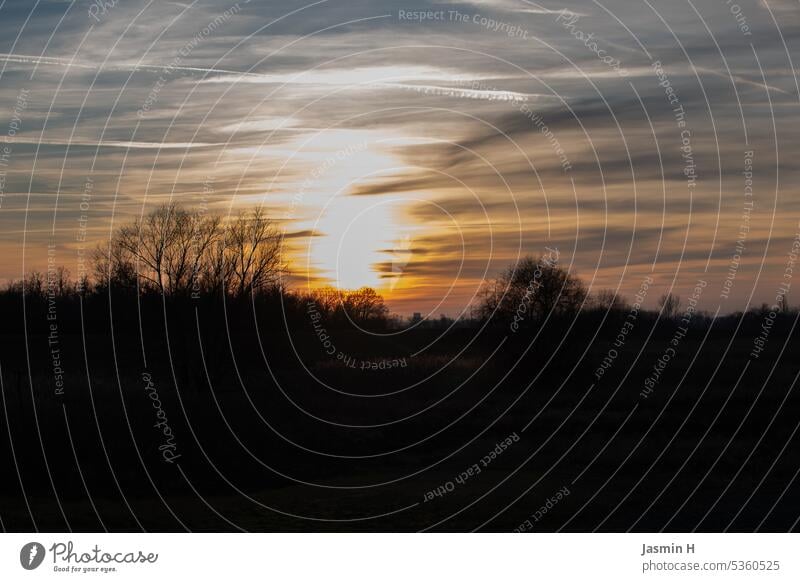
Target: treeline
<point x="196" y="259"/>
<point x="537" y="289"/>
<point x="179" y="255"/>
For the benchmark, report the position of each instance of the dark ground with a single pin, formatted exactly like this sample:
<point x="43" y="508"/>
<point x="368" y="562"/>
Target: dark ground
<point x="265" y="447"/>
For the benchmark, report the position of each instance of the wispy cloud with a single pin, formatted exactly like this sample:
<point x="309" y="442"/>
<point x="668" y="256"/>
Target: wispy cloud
<point x="411" y="134"/>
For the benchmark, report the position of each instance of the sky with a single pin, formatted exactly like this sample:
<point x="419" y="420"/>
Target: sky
<point x="417" y="147"/>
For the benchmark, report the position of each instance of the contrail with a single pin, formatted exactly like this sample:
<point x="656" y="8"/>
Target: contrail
<point x="60" y="62"/>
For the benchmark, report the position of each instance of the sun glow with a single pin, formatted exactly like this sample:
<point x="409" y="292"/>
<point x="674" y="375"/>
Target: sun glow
<point x="358" y="237"/>
<point x="357" y="240"/>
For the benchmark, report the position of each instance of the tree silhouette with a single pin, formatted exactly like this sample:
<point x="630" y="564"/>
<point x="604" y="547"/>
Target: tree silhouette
<point x="531" y="289"/>
<point x="176" y="252"/>
<point x="608" y="300"/>
<point x="669" y="304"/>
<point x="365" y="304"/>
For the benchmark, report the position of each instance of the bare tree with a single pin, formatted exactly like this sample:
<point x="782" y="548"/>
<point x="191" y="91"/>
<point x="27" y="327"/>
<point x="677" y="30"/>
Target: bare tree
<point x="253" y="249"/>
<point x="58" y="282"/>
<point x="365" y="304"/>
<point x="147" y="242"/>
<point x="176" y="252"/>
<point x="35" y="284"/>
<point x="608" y="300"/>
<point x="194" y="234"/>
<point x="114" y="265"/>
<point x="669" y="304"/>
<point x="326" y="299"/>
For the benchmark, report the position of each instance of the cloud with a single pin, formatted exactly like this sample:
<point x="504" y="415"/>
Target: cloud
<point x="441" y="104"/>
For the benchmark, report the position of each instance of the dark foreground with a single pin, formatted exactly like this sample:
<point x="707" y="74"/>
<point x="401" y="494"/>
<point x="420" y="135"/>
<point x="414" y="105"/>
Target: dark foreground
<point x="214" y="418"/>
